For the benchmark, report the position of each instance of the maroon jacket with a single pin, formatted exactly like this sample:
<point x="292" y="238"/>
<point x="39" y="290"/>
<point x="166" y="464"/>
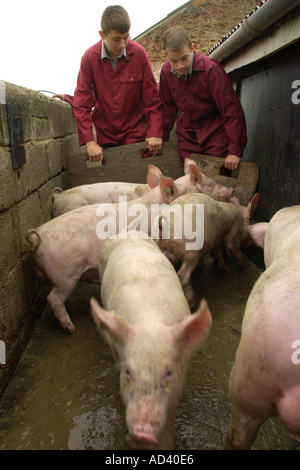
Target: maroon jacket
<point x="127" y="105"/>
<point x="209" y="106"/>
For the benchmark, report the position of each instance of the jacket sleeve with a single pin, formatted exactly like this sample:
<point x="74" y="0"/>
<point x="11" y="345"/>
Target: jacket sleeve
<point x="151" y="102"/>
<point x="170" y="108"/>
<point x="83" y="102"/>
<point x="68" y="99"/>
<point x="230" y="108"/>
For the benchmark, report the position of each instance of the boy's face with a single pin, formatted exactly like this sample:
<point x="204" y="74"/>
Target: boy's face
<point x="114" y="42"/>
<point x="180" y="61"/>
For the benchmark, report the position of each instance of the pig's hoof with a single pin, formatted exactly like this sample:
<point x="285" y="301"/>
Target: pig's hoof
<point x="70" y="329"/>
<point x="223" y="266"/>
<point x="242" y="264"/>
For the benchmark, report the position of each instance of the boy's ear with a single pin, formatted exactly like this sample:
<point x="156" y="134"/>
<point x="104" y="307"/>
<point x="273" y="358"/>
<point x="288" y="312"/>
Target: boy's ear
<point x="102" y="35"/>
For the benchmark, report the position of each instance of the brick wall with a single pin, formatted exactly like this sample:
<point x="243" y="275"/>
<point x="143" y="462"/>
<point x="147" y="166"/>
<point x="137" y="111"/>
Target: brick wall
<point x="205" y="20"/>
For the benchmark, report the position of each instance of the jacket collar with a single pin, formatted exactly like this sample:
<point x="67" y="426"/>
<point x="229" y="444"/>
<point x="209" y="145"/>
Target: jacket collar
<point x="104" y="54"/>
<point x="129" y="50"/>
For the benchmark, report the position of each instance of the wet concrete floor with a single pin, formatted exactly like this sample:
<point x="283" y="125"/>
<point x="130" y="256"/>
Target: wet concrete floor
<point x="65" y="391"/>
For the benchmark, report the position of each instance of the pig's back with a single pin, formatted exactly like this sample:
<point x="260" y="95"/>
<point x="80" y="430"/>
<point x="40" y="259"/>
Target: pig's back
<point x="282" y="233"/>
<point x="137" y="275"/>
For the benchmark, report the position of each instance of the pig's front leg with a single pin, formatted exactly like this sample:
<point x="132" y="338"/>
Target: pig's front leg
<point x="235" y="251"/>
<point x="57" y="299"/>
<point x="218" y="256"/>
<point x="189" y="263"/>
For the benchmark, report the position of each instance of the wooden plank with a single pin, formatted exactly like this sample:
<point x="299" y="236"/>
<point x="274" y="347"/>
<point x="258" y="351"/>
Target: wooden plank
<point x="123" y="163"/>
<point x="244" y="180"/>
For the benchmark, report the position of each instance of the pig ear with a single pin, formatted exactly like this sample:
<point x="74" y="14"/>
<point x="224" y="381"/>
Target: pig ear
<point x="248" y="211"/>
<point x="189" y="165"/>
<point x="196" y="326"/>
<point x="153" y="176"/>
<point x="258" y="232"/>
<point x="191" y="168"/>
<point x="114" y="324"/>
<point x="168" y="189"/>
<point x="195" y="174"/>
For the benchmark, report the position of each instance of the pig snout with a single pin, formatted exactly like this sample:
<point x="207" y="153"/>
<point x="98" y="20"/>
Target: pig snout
<point x="146" y="419"/>
<point x="142" y="438"/>
<point x="223" y="193"/>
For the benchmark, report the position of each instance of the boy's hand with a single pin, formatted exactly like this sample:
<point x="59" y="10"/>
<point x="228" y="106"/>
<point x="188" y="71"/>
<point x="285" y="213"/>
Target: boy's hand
<point x="154" y="143"/>
<point x="94" y="151"/>
<point x="232" y="162"/>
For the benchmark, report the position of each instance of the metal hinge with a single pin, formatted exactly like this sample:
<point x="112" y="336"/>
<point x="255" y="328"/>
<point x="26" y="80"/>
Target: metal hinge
<point x="17" y="147"/>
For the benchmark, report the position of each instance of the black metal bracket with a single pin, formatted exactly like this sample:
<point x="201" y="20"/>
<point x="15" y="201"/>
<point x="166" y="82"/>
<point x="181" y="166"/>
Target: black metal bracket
<point x="17" y="148"/>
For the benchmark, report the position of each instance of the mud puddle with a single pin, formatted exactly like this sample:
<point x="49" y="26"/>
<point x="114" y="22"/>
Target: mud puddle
<point x="65" y="391"/>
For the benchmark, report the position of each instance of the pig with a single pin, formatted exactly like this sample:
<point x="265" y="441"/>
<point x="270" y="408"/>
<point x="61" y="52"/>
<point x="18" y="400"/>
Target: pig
<point x="79" y="196"/>
<point x="220" y="222"/>
<point x="66" y="248"/>
<point x="151" y="332"/>
<point x="265" y="378"/>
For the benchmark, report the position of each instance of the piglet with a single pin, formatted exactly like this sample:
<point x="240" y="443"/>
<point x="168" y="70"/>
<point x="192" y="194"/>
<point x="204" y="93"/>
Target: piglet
<point x="195" y="224"/>
<point x="66" y="248"/>
<point x="265" y="378"/>
<point x="109" y="192"/>
<point x="151" y="332"/>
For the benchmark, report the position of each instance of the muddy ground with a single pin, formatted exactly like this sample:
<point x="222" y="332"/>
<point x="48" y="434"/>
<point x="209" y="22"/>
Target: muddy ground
<point x="65" y="391"/>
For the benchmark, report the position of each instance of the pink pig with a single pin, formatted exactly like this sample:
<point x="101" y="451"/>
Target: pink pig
<point x="151" y="332"/>
<point x="265" y="378"/>
<point x="186" y="234"/>
<point x="79" y="196"/>
<point x="66" y="249"/>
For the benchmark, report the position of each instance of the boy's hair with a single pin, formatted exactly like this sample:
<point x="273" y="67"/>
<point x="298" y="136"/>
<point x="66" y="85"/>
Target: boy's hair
<point x="176" y="38"/>
<point x="115" y="17"/>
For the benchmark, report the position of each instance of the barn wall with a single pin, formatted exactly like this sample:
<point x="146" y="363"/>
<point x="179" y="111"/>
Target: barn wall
<point x="50" y="135"/>
<point x="267" y="75"/>
<point x="272" y="108"/>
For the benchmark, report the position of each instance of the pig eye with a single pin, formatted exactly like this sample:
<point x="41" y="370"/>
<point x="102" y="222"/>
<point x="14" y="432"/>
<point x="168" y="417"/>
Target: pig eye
<point x="128" y="374"/>
<point x="169" y="374"/>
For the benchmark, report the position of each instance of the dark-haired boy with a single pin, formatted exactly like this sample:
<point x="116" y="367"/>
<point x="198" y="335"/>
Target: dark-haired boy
<point x="197" y="93"/>
<point x="116" y="91"/>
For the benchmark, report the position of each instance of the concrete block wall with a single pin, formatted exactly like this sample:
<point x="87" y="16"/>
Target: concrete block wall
<point x="50" y="135"/>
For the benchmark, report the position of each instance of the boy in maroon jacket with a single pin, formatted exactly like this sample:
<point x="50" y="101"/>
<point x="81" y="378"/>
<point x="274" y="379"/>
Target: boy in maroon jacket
<point x="116" y="91"/>
<point x="197" y="93"/>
